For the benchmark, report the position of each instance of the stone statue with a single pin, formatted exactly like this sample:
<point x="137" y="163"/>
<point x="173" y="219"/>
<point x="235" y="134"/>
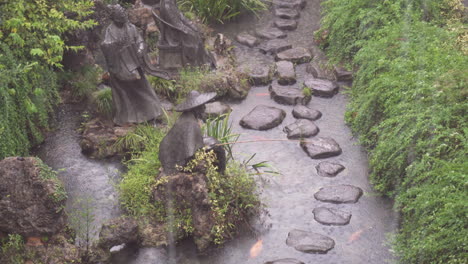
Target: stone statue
<point x="180" y="42"/>
<point x="185" y="137"/>
<point x="134" y="99"/>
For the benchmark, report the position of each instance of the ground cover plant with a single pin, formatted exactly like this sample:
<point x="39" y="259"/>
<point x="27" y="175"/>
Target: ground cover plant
<point x="408" y="106"/>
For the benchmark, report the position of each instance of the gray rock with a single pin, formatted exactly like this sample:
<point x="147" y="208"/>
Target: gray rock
<point x="285" y="72"/>
<point x="310" y="69"/>
<point x="342" y="74"/>
<point x="290" y="3"/>
<point x="271" y="33"/>
<point x="304" y="112"/>
<point x="287" y="13"/>
<point x="247" y="39"/>
<point x="329" y="169"/>
<point x="322" y="88"/>
<point x="288" y="95"/>
<point x="321" y="147"/>
<point x="339" y="194"/>
<point x="285" y="24"/>
<point x="263" y="118"/>
<point x="274" y="46"/>
<point x="285" y="261"/>
<point x="331" y="216"/>
<point x="309" y="242"/>
<point x="122" y="230"/>
<point x="302" y="128"/>
<point x="216" y="109"/>
<point x="260" y="74"/>
<point x="295" y="55"/>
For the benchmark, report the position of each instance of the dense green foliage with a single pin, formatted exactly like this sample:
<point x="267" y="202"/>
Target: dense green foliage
<point x="31" y="46"/>
<point x="409" y="105"/>
<point x="12" y="249"/>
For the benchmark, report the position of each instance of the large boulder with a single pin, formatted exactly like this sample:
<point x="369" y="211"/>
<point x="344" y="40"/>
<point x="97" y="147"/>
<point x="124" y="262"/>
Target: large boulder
<point x="32" y="198"/>
<point x="117" y="231"/>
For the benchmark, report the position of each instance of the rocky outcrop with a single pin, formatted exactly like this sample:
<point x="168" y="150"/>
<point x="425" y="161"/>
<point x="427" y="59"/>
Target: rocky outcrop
<point x="263" y="118"/>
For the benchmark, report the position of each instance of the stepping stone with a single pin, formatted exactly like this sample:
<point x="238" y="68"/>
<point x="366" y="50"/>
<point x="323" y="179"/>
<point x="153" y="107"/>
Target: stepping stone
<point x="339" y="194"/>
<point x="285" y="24"/>
<point x="331" y="216"/>
<point x="322" y="88"/>
<point x="310" y="69"/>
<point x="309" y="242"/>
<point x="304" y="112"/>
<point x="247" y="39"/>
<point x="287" y="13"/>
<point x="274" y="46"/>
<point x="285" y="72"/>
<point x="321" y="147"/>
<point x="263" y="118"/>
<point x="216" y="109"/>
<point x="287" y="95"/>
<point x="271" y="33"/>
<point x="290" y="3"/>
<point x="295" y="55"/>
<point x="285" y="261"/>
<point x="302" y="128"/>
<point x="329" y="169"/>
<point x="342" y="74"/>
<point x="260" y="74"/>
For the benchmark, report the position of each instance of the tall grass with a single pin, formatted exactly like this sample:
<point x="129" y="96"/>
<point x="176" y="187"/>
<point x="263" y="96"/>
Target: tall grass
<point x="221" y="129"/>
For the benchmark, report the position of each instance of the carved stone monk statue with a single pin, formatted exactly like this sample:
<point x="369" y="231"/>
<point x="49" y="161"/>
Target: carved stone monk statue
<point x="134" y="99"/>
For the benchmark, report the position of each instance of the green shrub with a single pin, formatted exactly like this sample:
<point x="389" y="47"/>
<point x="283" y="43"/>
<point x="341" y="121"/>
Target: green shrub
<point x="103" y="102"/>
<point x="12" y="249"/>
<point x="83" y="82"/>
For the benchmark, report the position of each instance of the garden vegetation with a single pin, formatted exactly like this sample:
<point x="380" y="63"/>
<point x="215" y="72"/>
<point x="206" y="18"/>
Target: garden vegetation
<point x="408" y="106"/>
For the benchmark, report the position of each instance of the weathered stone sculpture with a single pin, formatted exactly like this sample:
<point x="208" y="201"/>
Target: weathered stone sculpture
<point x="180" y="42"/>
<point x="134" y="99"/>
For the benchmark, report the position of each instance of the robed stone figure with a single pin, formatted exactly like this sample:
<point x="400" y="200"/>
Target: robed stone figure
<point x="135" y="101"/>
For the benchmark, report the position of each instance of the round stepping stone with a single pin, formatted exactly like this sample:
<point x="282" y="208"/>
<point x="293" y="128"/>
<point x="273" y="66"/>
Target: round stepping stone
<point x="216" y="109"/>
<point x="260" y="74"/>
<point x="322" y="88"/>
<point x="263" y="118"/>
<point x="285" y="24"/>
<point x="342" y="74"/>
<point x="247" y="39"/>
<point x="302" y="128"/>
<point x="290" y="3"/>
<point x="285" y="261"/>
<point x="309" y="242"/>
<point x="285" y="72"/>
<point x="339" y="194"/>
<point x="295" y="55"/>
<point x="321" y="147"/>
<point x="329" y="169"/>
<point x="287" y="13"/>
<point x="288" y="95"/>
<point x="274" y="46"/>
<point x="304" y="112"/>
<point x="271" y="33"/>
<point x="331" y="216"/>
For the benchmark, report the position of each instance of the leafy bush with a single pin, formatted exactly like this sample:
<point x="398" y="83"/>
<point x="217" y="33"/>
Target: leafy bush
<point x="83" y="82"/>
<point x="12" y="249"/>
<point x="220" y="129"/>
<point x="103" y="102"/>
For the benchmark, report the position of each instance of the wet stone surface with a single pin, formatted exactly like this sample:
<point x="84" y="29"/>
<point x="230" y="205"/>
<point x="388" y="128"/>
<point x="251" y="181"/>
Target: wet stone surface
<point x="321" y="147"/>
<point x="285" y="24"/>
<point x="285" y="261"/>
<point x="285" y="72"/>
<point x="260" y="74"/>
<point x="290" y="3"/>
<point x="304" y="112"/>
<point x="309" y="242"/>
<point x="216" y="109"/>
<point x="339" y="194"/>
<point x="342" y="74"/>
<point x="286" y="13"/>
<point x="295" y="55"/>
<point x="247" y="39"/>
<point x="322" y="88"/>
<point x="302" y="128"/>
<point x="287" y="95"/>
<point x="271" y="33"/>
<point x="274" y="46"/>
<point x="331" y="216"/>
<point x="329" y="169"/>
<point x="263" y="118"/>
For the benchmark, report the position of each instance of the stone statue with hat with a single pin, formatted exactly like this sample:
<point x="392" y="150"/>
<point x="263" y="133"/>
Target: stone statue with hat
<point x="185" y="137"/>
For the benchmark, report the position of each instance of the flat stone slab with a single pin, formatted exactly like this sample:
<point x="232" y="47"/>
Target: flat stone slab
<point x="321" y="147"/>
<point x="304" y="112"/>
<point x="271" y="33"/>
<point x="309" y="242"/>
<point x="331" y="216"/>
<point x="339" y="194"/>
<point x="342" y="74"/>
<point x="285" y="72"/>
<point x="216" y="109"/>
<point x="263" y="118"/>
<point x="290" y="3"/>
<point x="274" y="46"/>
<point x="287" y="95"/>
<point x="295" y="55"/>
<point x="322" y="88"/>
<point x="302" y="128"/>
<point x="285" y="261"/>
<point x="329" y="169"/>
<point x="285" y="24"/>
<point x="286" y="13"/>
<point x="260" y="74"/>
<point x="247" y="39"/>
